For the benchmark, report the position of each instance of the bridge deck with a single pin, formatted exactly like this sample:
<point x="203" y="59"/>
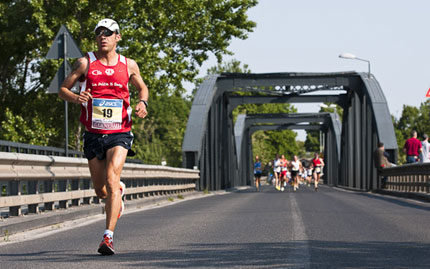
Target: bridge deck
<point x="247" y="229"/>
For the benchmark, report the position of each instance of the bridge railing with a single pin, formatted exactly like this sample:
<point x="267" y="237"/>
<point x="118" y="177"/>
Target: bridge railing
<point x="408" y="178"/>
<point x="36" y="182"/>
<point x="8" y="146"/>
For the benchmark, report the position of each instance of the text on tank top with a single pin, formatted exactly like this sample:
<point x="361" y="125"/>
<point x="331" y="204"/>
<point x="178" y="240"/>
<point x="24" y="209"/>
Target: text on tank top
<point x="109" y="110"/>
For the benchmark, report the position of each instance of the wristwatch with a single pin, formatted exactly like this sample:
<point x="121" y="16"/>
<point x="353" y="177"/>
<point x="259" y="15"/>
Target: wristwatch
<point x="145" y="102"/>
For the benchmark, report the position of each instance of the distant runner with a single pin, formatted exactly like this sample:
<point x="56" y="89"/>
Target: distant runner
<point x="257" y="172"/>
<point x="277" y="171"/>
<point x="284" y="168"/>
<point x="318" y="164"/>
<point x="295" y="169"/>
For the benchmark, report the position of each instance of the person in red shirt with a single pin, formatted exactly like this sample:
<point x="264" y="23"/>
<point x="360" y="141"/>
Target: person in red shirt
<point x="412" y="148"/>
<point x="318" y="164"/>
<point x="106" y="114"/>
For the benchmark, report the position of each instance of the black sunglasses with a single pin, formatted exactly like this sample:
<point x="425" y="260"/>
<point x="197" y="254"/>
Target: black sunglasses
<point x="105" y="32"/>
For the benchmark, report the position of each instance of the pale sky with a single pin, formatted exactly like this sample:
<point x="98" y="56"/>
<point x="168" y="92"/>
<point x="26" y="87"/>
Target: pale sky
<point x="309" y="35"/>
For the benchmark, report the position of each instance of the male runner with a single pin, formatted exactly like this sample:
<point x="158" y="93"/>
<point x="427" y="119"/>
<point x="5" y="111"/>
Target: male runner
<point x="296" y="166"/>
<point x="106" y="115"/>
<point x="257" y="172"/>
<point x="277" y="171"/>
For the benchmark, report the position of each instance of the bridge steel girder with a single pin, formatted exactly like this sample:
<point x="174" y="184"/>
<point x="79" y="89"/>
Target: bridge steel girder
<point x="237" y="100"/>
<point x="209" y="142"/>
<point x="315" y="127"/>
<point x="246" y="125"/>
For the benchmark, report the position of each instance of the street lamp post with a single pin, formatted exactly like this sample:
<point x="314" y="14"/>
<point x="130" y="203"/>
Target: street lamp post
<point x="353" y="57"/>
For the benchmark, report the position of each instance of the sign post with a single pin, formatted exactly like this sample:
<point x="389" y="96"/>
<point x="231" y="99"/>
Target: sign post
<point x="64" y="46"/>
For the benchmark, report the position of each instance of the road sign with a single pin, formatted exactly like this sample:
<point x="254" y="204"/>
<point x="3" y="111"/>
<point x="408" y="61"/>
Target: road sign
<point x="63" y="47"/>
<point x="59" y="50"/>
<point x="59" y="78"/>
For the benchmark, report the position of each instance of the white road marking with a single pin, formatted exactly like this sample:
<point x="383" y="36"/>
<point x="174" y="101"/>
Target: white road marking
<point x="300" y="254"/>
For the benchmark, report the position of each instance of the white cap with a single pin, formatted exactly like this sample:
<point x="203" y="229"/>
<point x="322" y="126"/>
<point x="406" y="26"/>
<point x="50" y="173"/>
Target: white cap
<point x="109" y="24"/>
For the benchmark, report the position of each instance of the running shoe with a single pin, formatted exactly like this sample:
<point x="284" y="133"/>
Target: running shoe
<point x="278" y="188"/>
<point x="122" y="189"/>
<point x="282" y="189"/>
<point x="106" y="246"/>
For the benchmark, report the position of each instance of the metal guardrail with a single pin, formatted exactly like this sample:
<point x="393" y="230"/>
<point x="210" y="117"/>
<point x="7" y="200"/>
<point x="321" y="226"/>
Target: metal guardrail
<point x="8" y="146"/>
<point x="414" y="178"/>
<point x="37" y="182"/>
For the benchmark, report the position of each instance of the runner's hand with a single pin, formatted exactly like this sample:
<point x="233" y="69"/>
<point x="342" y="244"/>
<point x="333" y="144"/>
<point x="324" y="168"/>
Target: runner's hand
<point x="141" y="110"/>
<point x="85" y="96"/>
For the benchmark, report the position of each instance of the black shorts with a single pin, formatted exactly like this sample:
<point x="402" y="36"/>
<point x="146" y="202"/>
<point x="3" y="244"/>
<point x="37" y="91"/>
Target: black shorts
<point x="257" y="175"/>
<point x="96" y="145"/>
<point x="294" y="173"/>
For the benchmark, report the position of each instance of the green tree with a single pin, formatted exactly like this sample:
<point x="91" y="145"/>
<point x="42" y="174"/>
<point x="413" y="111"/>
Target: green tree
<point x="169" y="39"/>
<point x="312" y="142"/>
<point x="412" y="118"/>
<point x="162" y="133"/>
<point x="404" y="127"/>
<point x="232" y="66"/>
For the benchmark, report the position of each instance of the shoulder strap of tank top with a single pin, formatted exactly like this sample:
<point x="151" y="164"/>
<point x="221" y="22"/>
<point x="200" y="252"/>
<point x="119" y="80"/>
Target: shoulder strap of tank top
<point x="92" y="56"/>
<point x="122" y="59"/>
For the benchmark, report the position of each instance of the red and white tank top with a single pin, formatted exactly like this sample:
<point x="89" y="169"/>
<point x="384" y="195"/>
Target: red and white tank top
<point x="109" y="111"/>
<point x="316" y="162"/>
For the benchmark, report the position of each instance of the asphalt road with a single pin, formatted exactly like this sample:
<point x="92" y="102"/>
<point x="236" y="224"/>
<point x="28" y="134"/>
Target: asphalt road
<point x="330" y="228"/>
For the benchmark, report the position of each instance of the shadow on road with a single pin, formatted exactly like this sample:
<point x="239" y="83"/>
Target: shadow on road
<point x="323" y="254"/>
<point x="399" y="202"/>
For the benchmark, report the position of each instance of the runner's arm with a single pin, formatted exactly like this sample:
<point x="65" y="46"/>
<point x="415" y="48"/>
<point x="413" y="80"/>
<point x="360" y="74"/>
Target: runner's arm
<point x="79" y="70"/>
<point x="137" y="81"/>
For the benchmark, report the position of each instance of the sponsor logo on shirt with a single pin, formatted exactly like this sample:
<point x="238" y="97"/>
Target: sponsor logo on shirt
<point x="109" y="72"/>
<point x="108" y="103"/>
<point x="96" y="72"/>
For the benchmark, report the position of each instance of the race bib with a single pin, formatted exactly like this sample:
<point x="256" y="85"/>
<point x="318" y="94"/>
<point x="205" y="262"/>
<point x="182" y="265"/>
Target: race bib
<point x="317" y="169"/>
<point x="107" y="114"/>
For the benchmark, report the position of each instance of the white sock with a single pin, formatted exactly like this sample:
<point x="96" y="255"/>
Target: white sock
<point x="108" y="233"/>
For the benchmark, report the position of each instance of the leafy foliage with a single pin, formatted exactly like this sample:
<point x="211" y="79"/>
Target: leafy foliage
<point x="16" y="129"/>
<point x="160" y="135"/>
<point x="412" y="118"/>
<point x="312" y="142"/>
<point x="169" y="39"/>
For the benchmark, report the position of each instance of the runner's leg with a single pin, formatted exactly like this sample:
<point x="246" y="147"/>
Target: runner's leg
<point x="317" y="179"/>
<point x="115" y="159"/>
<point x="98" y="176"/>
